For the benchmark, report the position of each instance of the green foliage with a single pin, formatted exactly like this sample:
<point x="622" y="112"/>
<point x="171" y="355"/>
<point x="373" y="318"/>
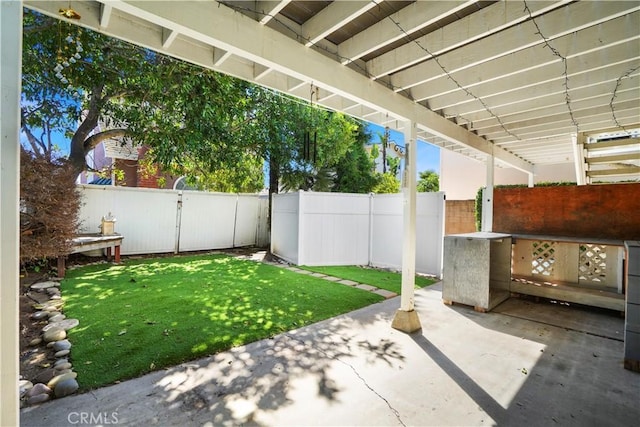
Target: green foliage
<point x="354" y="172"/>
<point x="375" y="152"/>
<point x="149" y="314"/>
<point x="387" y="183"/>
<point x="212" y="128"/>
<point x="429" y="182"/>
<point x="394" y="165"/>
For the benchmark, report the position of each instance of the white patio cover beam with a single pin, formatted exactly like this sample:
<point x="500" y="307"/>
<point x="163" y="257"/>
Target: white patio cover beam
<point x="483" y="23"/>
<point x="522" y="36"/>
<point x="397" y="26"/>
<point x="269" y="9"/>
<point x="333" y="17"/>
<point x="10" y="77"/>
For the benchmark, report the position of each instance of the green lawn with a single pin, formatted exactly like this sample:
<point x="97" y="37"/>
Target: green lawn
<point x="371" y="276"/>
<point x="148" y="314"/>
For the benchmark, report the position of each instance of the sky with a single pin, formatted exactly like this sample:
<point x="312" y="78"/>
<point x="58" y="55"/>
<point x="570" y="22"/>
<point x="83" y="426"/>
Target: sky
<point x="428" y="155"/>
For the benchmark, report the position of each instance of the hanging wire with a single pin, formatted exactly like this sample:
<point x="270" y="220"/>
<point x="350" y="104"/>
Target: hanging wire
<point x="557" y="53"/>
<point x="615" y="93"/>
<point x="450" y="77"/>
<point x="389" y="85"/>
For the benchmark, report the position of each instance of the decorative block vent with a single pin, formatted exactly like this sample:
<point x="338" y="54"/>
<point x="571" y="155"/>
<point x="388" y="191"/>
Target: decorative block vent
<point x="592" y="265"/>
<point x="543" y="258"/>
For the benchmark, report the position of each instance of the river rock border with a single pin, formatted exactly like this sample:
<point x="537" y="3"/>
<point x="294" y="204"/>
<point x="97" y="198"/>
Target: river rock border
<point x="59" y="380"/>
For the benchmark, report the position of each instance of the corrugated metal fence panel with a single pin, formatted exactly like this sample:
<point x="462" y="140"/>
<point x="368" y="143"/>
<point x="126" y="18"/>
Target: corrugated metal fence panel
<point x="284" y="226"/>
<point x="146" y="218"/>
<point x="386" y="237"/>
<point x="246" y="225"/>
<point x="334" y="229"/>
<point x="207" y="220"/>
<point x="429" y="233"/>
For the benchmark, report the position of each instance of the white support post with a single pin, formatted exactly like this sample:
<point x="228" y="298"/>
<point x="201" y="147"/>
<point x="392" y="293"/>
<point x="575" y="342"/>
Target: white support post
<point x="531" y="182"/>
<point x="10" y="69"/>
<point x="406" y="319"/>
<point x="487" y="197"/>
<point x="578" y="158"/>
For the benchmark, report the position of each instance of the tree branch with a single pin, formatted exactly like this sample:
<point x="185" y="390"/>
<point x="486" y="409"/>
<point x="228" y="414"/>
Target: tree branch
<point x="91" y="142"/>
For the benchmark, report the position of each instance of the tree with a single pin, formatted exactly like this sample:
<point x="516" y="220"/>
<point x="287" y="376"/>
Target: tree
<point x="74" y="79"/>
<point x="387" y="183"/>
<point x="214" y="129"/>
<point x="354" y="172"/>
<point x="429" y="182"/>
<point x="49" y="205"/>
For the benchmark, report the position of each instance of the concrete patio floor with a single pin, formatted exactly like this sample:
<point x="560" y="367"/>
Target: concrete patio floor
<point x="463" y="368"/>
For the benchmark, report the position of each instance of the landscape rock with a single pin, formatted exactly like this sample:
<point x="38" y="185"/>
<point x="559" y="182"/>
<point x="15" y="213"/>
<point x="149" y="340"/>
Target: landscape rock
<point x="61" y="353"/>
<point x="61" y="345"/>
<point x="53" y="313"/>
<point x="62" y="366"/>
<point x="38" y="398"/>
<point x="57" y="318"/>
<point x="43" y="285"/>
<point x="24" y="387"/>
<point x="66" y="387"/>
<point x="56" y="297"/>
<point x="64" y="371"/>
<point x="34" y="342"/>
<point x="44" y="376"/>
<point x="60" y="362"/>
<point x="55" y="380"/>
<point x="53" y="291"/>
<point x="38" y="315"/>
<point x="67" y="324"/>
<point x="38" y="388"/>
<point x="54" y="334"/>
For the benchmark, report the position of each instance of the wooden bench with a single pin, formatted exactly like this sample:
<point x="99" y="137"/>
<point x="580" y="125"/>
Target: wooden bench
<point x="90" y="242"/>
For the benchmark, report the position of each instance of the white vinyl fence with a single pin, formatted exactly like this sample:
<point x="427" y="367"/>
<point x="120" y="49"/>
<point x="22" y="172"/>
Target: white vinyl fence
<point x="158" y="221"/>
<point x="355" y="229"/>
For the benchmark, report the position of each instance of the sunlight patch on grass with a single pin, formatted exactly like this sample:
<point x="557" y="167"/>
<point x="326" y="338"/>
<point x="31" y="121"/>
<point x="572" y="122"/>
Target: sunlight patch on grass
<point x="160" y="312"/>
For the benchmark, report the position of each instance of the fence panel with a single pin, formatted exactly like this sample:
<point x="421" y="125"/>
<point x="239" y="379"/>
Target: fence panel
<point x="430" y="218"/>
<point x="207" y="220"/>
<point x="262" y="233"/>
<point x="246" y="224"/>
<point x="284" y="226"/>
<point x="386" y="231"/>
<point x="334" y="229"/>
<point x="354" y="229"/>
<point x="145" y="217"/>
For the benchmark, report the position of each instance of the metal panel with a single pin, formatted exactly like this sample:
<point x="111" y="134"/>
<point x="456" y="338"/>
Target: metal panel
<point x="208" y="220"/>
<point x="145" y="217"/>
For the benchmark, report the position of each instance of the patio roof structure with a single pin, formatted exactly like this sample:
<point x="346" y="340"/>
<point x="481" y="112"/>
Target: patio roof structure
<point x="522" y="81"/>
<point x="518" y="83"/>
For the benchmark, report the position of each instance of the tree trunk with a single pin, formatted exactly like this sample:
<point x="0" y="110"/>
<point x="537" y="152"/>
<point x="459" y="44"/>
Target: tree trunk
<point x="78" y="151"/>
<point x="274" y="178"/>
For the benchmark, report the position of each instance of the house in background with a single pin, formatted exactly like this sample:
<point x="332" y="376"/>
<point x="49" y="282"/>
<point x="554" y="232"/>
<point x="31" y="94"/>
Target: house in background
<point x="110" y="157"/>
